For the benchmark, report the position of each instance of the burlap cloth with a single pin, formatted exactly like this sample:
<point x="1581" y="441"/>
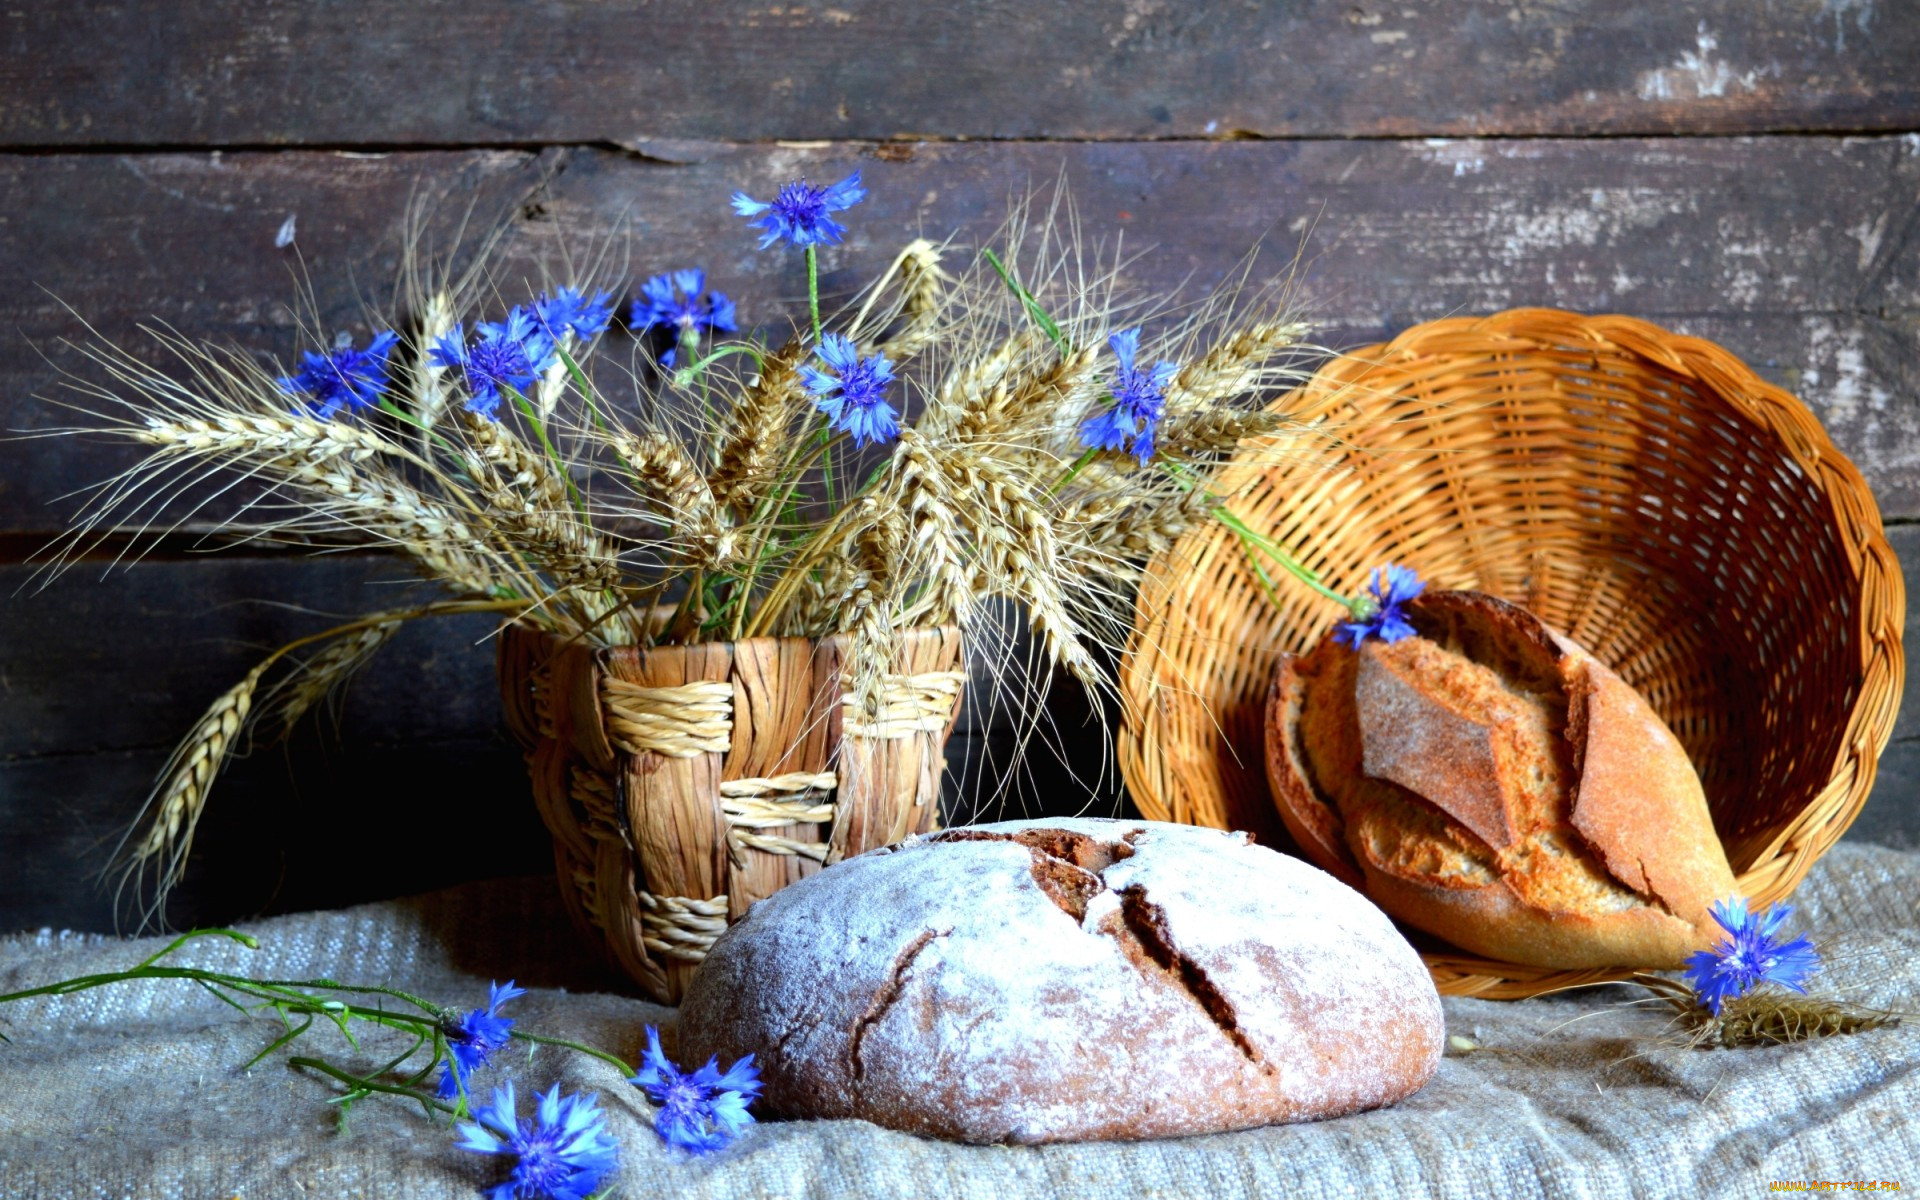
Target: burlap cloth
<point x="137" y="1091"/>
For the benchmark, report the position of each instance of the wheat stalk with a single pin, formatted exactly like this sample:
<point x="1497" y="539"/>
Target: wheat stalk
<point x="937" y="547"/>
<point x="429" y="530"/>
<point x="923" y="288"/>
<point x="867" y="608"/>
<point x="328" y="670"/>
<point x="527" y="500"/>
<point x="1214" y="431"/>
<point x="1234" y="367"/>
<point x="1017" y="548"/>
<point x="267" y="437"/>
<point x="720" y="482"/>
<point x="752" y="443"/>
<point x="180" y="795"/>
<point x="667" y="476"/>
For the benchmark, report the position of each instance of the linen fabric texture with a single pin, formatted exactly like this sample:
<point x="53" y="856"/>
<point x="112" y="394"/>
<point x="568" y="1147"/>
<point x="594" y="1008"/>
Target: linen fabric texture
<point x="136" y="1090"/>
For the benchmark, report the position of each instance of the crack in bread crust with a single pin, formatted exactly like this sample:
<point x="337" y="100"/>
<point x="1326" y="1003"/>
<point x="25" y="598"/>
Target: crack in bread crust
<point x="1066" y="865"/>
<point x="1140" y="927"/>
<point x="1069" y="867"/>
<point x="884" y="998"/>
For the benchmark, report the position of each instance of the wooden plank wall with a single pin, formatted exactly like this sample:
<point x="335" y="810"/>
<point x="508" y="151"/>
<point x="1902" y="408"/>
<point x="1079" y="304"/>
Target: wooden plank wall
<point x="1744" y="171"/>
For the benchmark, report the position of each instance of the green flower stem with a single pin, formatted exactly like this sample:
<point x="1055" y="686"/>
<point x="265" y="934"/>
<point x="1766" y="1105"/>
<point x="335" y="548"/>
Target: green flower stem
<point x="577" y="1047"/>
<point x="297" y="1008"/>
<point x="245" y="939"/>
<point x="553" y="456"/>
<point x="1039" y="314"/>
<point x="364" y="1085"/>
<point x="813" y="290"/>
<point x="687" y="373"/>
<point x="1079" y="465"/>
<point x="586" y="388"/>
<point x="1252" y="540"/>
<point x="394" y="410"/>
<point x="1280" y="554"/>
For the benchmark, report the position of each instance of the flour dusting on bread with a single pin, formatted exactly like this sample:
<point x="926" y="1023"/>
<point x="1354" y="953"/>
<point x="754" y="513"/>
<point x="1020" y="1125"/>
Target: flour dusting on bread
<point x="1056" y="980"/>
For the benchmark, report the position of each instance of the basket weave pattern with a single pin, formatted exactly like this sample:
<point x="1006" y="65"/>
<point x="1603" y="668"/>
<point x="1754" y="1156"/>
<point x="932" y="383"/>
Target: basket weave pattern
<point x="1644" y="493"/>
<point x="683" y="783"/>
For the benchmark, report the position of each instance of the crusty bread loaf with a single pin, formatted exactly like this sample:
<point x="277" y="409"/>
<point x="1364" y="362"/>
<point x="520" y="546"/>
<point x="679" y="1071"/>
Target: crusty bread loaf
<point x="1066" y="980"/>
<point x="1494" y="784"/>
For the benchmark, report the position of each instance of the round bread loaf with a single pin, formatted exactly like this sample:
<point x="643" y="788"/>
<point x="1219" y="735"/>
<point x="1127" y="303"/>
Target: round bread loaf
<point x="1493" y="783"/>
<point x="1068" y="980"/>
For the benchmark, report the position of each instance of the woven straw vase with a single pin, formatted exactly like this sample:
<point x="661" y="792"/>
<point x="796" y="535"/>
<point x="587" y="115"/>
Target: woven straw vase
<point x="1645" y="493"/>
<point x="683" y="783"/>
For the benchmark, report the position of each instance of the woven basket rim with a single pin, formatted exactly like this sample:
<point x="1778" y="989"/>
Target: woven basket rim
<point x="1773" y="413"/>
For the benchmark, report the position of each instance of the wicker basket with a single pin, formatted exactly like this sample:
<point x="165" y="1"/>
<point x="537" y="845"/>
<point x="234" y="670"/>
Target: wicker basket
<point x="683" y="783"/>
<point x="1645" y="493"/>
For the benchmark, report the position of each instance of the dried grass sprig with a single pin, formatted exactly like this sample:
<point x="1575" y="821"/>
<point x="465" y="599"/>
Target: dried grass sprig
<point x="174" y="807"/>
<point x="1765" y="1016"/>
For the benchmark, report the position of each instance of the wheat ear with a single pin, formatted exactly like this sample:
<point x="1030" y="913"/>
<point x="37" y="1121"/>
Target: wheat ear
<point x="528" y="502"/>
<point x="262" y="437"/>
<point x="924" y="284"/>
<point x="324" y="672"/>
<point x="432" y="532"/>
<point x="1234" y="367"/>
<point x="1018" y="548"/>
<point x="936" y="548"/>
<point x="666" y="475"/>
<point x="868" y="611"/>
<point x="180" y="795"/>
<point x="753" y="442"/>
<point x="1214" y="431"/>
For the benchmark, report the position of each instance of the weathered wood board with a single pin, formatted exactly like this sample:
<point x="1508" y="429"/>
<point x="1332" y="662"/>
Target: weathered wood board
<point x="408" y="72"/>
<point x="408" y="782"/>
<point x="1744" y="172"/>
<point x="1802" y="255"/>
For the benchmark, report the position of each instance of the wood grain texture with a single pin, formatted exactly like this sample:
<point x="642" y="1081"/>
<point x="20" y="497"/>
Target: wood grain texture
<point x="415" y="784"/>
<point x="631" y="122"/>
<point x="1802" y="255"/>
<point x="480" y="72"/>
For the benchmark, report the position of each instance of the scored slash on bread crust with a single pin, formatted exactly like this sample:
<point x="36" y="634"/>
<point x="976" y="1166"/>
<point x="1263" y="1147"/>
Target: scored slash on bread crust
<point x="1067" y="980"/>
<point x="1493" y="784"/>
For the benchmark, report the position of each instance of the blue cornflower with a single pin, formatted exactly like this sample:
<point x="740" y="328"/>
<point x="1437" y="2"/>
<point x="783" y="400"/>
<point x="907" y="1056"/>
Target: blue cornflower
<point x="679" y="302"/>
<point x="702" y="1111"/>
<point x="798" y="214"/>
<point x="473" y="1037"/>
<point x="1749" y="956"/>
<point x="562" y="1154"/>
<point x="1392" y="587"/>
<point x="512" y="353"/>
<point x="854" y="396"/>
<point x="342" y="377"/>
<point x="1139" y="398"/>
<point x="569" y="310"/>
